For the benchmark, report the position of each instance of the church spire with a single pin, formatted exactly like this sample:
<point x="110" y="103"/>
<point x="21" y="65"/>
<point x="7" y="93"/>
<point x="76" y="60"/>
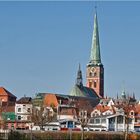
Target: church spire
<point x="134" y="96"/>
<point x="79" y="77"/>
<point x="95" y="57"/>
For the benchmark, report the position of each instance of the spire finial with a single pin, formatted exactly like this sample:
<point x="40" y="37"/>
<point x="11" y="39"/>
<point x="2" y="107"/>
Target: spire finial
<point x="95" y="7"/>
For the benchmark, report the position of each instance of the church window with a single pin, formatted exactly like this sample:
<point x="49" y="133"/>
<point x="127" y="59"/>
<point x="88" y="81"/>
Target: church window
<point x="90" y="84"/>
<point x="95" y="84"/>
<point x="95" y="74"/>
<point x="90" y="74"/>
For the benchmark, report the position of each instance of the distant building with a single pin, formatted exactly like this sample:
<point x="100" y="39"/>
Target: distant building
<point x="7" y="109"/>
<point x="38" y="99"/>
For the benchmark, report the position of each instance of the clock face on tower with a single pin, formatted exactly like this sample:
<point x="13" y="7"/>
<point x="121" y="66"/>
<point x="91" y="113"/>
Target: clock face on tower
<point x="92" y="70"/>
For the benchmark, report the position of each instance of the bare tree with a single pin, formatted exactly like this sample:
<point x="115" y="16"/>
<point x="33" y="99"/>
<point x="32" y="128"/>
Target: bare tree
<point x="83" y="119"/>
<point x="41" y="116"/>
<point x="127" y="106"/>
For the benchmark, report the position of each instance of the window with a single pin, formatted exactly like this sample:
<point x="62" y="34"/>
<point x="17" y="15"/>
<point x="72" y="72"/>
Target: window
<point x="19" y="109"/>
<point x="19" y="117"/>
<point x="90" y="74"/>
<point x="132" y="113"/>
<point x="90" y="84"/>
<point x="97" y="121"/>
<point x="92" y="120"/>
<point x="85" y="113"/>
<point x="24" y="106"/>
<point x="12" y="126"/>
<point x="103" y="120"/>
<point x="129" y="120"/>
<point x="95" y="74"/>
<point x="120" y="119"/>
<point x="95" y="84"/>
<point x="7" y="125"/>
<point x="29" y="110"/>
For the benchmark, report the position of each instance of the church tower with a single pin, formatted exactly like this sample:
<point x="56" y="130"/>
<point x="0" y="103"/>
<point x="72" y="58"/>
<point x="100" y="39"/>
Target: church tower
<point x="79" y="78"/>
<point x="95" y="69"/>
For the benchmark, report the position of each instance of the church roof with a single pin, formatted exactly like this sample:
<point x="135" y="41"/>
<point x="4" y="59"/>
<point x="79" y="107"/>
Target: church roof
<point x="83" y="91"/>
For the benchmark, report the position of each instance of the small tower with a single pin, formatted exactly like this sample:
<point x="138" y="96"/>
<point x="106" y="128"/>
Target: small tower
<point x="79" y="78"/>
<point x="134" y="96"/>
<point x="123" y="95"/>
<point x="95" y="69"/>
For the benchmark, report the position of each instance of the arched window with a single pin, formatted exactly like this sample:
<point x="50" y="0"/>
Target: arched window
<point x="90" y="84"/>
<point x="95" y="84"/>
<point x="90" y="74"/>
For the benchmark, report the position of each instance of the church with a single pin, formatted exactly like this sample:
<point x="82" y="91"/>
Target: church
<point x="94" y="71"/>
<point x="90" y="94"/>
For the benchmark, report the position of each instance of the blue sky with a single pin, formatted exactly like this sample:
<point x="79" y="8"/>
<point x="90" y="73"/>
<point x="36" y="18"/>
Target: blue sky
<point x="42" y="43"/>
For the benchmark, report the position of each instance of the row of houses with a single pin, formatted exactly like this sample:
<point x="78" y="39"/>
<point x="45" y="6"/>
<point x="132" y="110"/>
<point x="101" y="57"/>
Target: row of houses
<point x="60" y="112"/>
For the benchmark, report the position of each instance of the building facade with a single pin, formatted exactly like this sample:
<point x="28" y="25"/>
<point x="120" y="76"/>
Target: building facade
<point x="23" y="109"/>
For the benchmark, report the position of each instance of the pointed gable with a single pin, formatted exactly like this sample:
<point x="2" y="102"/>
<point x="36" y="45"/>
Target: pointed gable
<point x="6" y="96"/>
<point x="3" y="91"/>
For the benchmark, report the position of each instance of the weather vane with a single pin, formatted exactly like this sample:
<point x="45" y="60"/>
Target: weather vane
<point x="95" y="6"/>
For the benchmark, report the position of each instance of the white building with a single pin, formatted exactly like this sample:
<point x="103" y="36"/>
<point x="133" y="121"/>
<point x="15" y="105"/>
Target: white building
<point x="23" y="109"/>
<point x="111" y="118"/>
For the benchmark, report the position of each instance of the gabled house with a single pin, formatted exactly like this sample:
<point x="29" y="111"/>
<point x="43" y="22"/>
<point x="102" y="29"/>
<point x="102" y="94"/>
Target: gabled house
<point x="113" y="118"/>
<point x="6" y="96"/>
<point x="23" y="111"/>
<point x="23" y="108"/>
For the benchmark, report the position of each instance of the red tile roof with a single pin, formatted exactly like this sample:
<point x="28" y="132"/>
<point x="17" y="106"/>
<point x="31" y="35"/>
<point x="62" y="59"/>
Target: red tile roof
<point x="3" y="91"/>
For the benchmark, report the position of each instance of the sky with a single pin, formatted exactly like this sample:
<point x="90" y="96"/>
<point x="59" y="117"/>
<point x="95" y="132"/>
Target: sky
<point x="42" y="44"/>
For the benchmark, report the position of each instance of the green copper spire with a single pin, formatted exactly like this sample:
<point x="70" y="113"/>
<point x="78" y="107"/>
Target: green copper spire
<point x="95" y="57"/>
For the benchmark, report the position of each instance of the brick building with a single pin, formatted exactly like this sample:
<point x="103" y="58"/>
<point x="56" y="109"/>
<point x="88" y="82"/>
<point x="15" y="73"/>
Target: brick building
<point x="6" y="96"/>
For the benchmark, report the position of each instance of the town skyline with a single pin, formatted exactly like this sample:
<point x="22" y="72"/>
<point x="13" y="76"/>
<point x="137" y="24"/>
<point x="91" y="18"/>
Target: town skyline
<point x="32" y="62"/>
